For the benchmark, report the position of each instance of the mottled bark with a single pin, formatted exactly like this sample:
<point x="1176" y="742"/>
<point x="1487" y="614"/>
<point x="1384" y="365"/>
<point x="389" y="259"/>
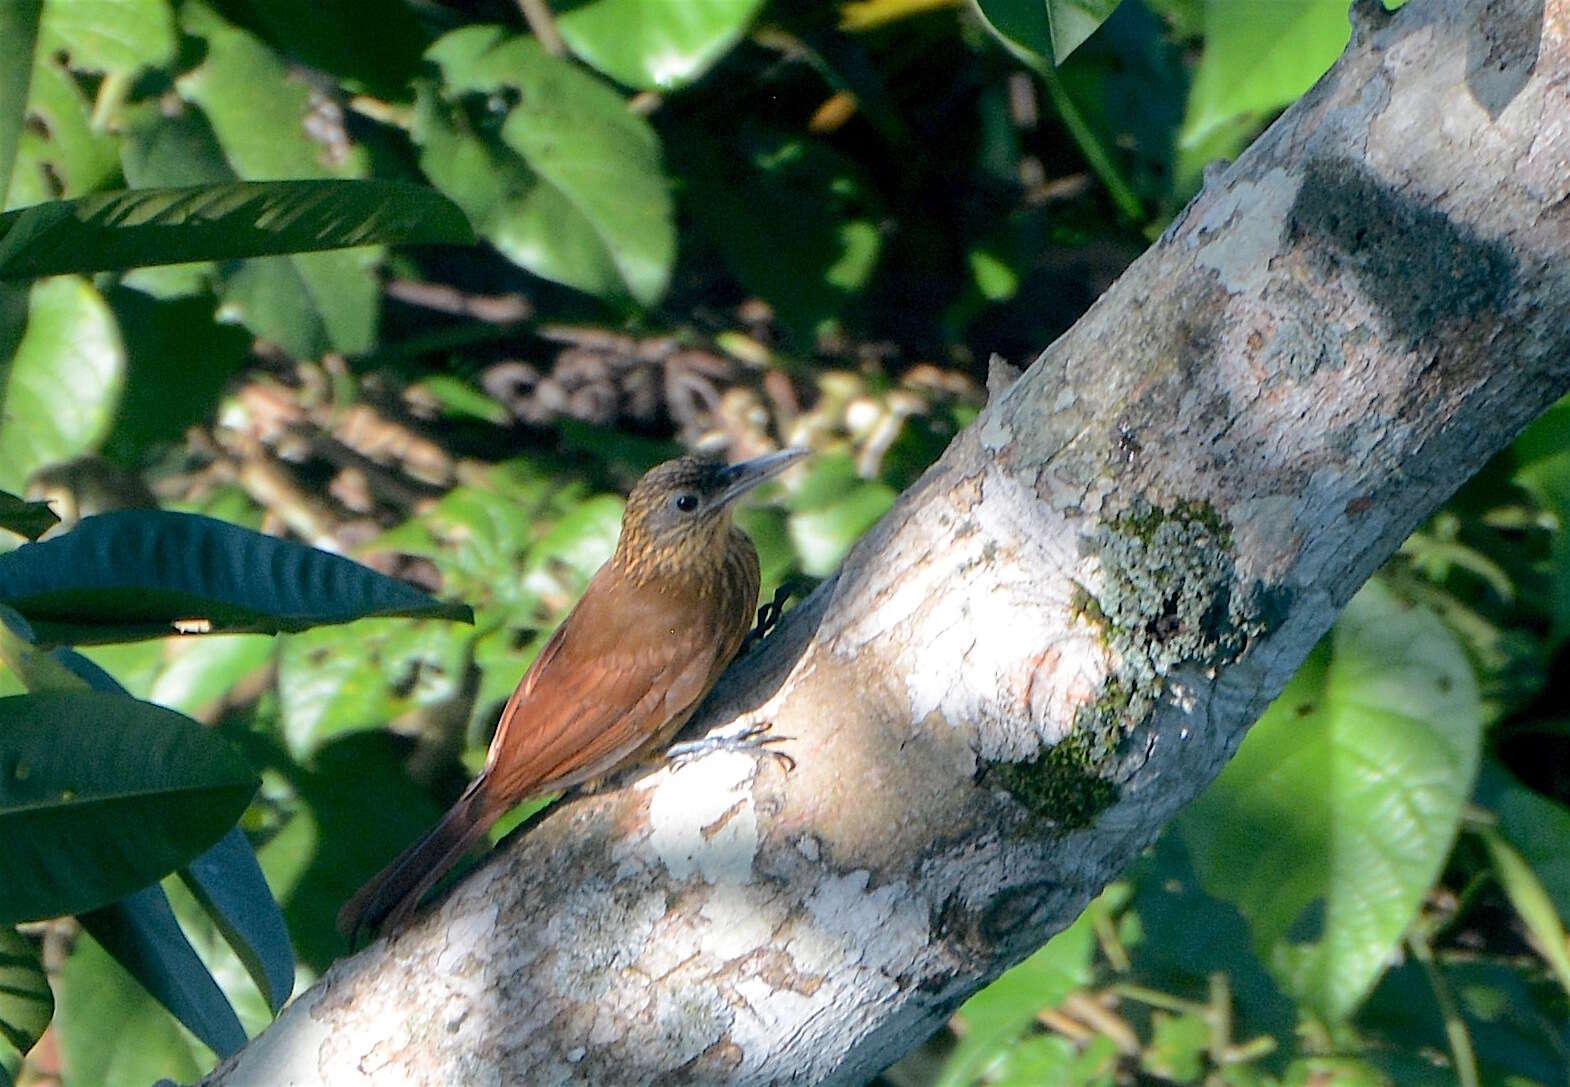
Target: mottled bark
<point x="1059" y="634"/>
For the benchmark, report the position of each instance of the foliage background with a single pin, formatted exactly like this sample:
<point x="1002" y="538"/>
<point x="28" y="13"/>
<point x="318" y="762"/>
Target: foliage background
<point x="773" y="223"/>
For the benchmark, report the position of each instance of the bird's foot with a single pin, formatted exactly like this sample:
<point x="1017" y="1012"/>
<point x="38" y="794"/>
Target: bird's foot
<point x="770" y="613"/>
<point x="755" y="739"/>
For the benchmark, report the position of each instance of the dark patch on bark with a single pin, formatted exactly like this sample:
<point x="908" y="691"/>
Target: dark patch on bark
<point x="1422" y="272"/>
<point x="1501" y="52"/>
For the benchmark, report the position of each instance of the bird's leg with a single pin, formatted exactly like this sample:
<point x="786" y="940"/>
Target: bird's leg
<point x="752" y="740"/>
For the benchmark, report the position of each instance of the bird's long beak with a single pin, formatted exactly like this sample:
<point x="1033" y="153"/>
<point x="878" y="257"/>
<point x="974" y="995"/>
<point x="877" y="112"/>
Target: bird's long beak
<point x="738" y="479"/>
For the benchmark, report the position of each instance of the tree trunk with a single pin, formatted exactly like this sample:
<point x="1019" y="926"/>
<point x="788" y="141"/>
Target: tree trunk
<point x="1056" y="638"/>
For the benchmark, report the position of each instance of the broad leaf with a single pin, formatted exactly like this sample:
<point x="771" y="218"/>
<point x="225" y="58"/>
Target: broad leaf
<point x="117" y="37"/>
<point x="18" y="34"/>
<point x="656" y="44"/>
<point x="569" y="155"/>
<point x="1255" y="60"/>
<point x="104" y="795"/>
<point x="30" y="519"/>
<point x="138" y="227"/>
<point x="60" y="386"/>
<point x="141" y="933"/>
<point x="1334" y="818"/>
<point x="1044" y="31"/>
<point x="146" y="573"/>
<point x="112" y="1032"/>
<point x="26" y="1003"/>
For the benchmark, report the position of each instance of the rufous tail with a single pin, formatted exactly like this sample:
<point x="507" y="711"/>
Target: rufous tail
<point x="392" y="894"/>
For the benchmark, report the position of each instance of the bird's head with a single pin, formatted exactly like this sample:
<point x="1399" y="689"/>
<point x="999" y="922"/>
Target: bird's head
<point x="680" y="511"/>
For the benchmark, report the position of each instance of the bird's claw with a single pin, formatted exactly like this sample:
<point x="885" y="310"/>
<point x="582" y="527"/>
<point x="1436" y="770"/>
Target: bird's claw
<point x="754" y="739"/>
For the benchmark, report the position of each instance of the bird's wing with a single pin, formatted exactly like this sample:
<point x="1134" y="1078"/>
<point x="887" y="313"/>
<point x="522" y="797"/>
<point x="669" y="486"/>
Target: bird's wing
<point x="619" y="670"/>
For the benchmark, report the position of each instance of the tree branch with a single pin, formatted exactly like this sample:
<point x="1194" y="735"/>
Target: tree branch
<point x="1059" y="634"/>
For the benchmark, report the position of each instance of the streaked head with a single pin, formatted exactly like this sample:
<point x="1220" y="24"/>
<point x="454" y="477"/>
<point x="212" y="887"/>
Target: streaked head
<point x="686" y="503"/>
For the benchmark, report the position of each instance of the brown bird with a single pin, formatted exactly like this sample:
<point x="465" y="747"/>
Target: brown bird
<point x="656" y="626"/>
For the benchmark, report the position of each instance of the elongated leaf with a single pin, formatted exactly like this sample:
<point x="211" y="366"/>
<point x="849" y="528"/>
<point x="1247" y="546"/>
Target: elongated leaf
<point x="138" y="227"/>
<point x="229" y="884"/>
<point x="59" y="389"/>
<point x="1532" y="904"/>
<point x="146" y="573"/>
<point x="1334" y="818"/>
<point x="30" y="519"/>
<point x="140" y="930"/>
<point x="112" y="1032"/>
<point x="104" y="794"/>
<point x="26" y="1004"/>
<point x="655" y="44"/>
<point x="141" y="933"/>
<point x="18" y="34"/>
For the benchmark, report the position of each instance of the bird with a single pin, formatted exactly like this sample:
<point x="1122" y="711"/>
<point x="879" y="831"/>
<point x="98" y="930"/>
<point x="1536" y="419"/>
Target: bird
<point x="657" y="624"/>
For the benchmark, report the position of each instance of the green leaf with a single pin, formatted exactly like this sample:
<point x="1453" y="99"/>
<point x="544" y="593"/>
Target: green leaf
<point x="1543" y="455"/>
<point x="569" y="145"/>
<point x="138" y="227"/>
<point x="330" y="36"/>
<point x="61" y="152"/>
<point x="1531" y="904"/>
<point x="26" y="1003"/>
<point x="1253" y="64"/>
<point x="118" y="37"/>
<point x="997" y="1015"/>
<point x="1534" y="825"/>
<point x="59" y="389"/>
<point x="794" y="219"/>
<point x="260" y="117"/>
<point x="142" y="935"/>
<point x="18" y="34"/>
<point x="1039" y="30"/>
<point x="830" y="511"/>
<point x="112" y="1032"/>
<point x="201" y="671"/>
<point x="229" y="884"/>
<point x="654" y="44"/>
<point x="1340" y="807"/>
<point x="104" y="794"/>
<point x="37" y="669"/>
<point x="136" y="573"/>
<point x="29" y="519"/>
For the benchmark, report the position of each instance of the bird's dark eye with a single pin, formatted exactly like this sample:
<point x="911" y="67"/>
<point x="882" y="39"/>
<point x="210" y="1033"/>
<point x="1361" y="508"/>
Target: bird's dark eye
<point x="686" y="502"/>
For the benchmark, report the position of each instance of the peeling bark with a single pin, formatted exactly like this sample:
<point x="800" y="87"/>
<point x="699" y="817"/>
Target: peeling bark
<point x="1056" y="638"/>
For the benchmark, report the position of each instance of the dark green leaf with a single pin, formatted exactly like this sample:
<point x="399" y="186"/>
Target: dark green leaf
<point x="570" y="156"/>
<point x="142" y="935"/>
<point x="30" y="519"/>
<point x="1335" y="816"/>
<point x="1044" y="30"/>
<point x="102" y="794"/>
<point x="18" y="33"/>
<point x="1538" y="827"/>
<point x="114" y="230"/>
<point x="60" y="387"/>
<point x="330" y="35"/>
<point x="26" y="1003"/>
<point x="655" y="44"/>
<point x="229" y="884"/>
<point x="112" y="1032"/>
<point x="137" y="573"/>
